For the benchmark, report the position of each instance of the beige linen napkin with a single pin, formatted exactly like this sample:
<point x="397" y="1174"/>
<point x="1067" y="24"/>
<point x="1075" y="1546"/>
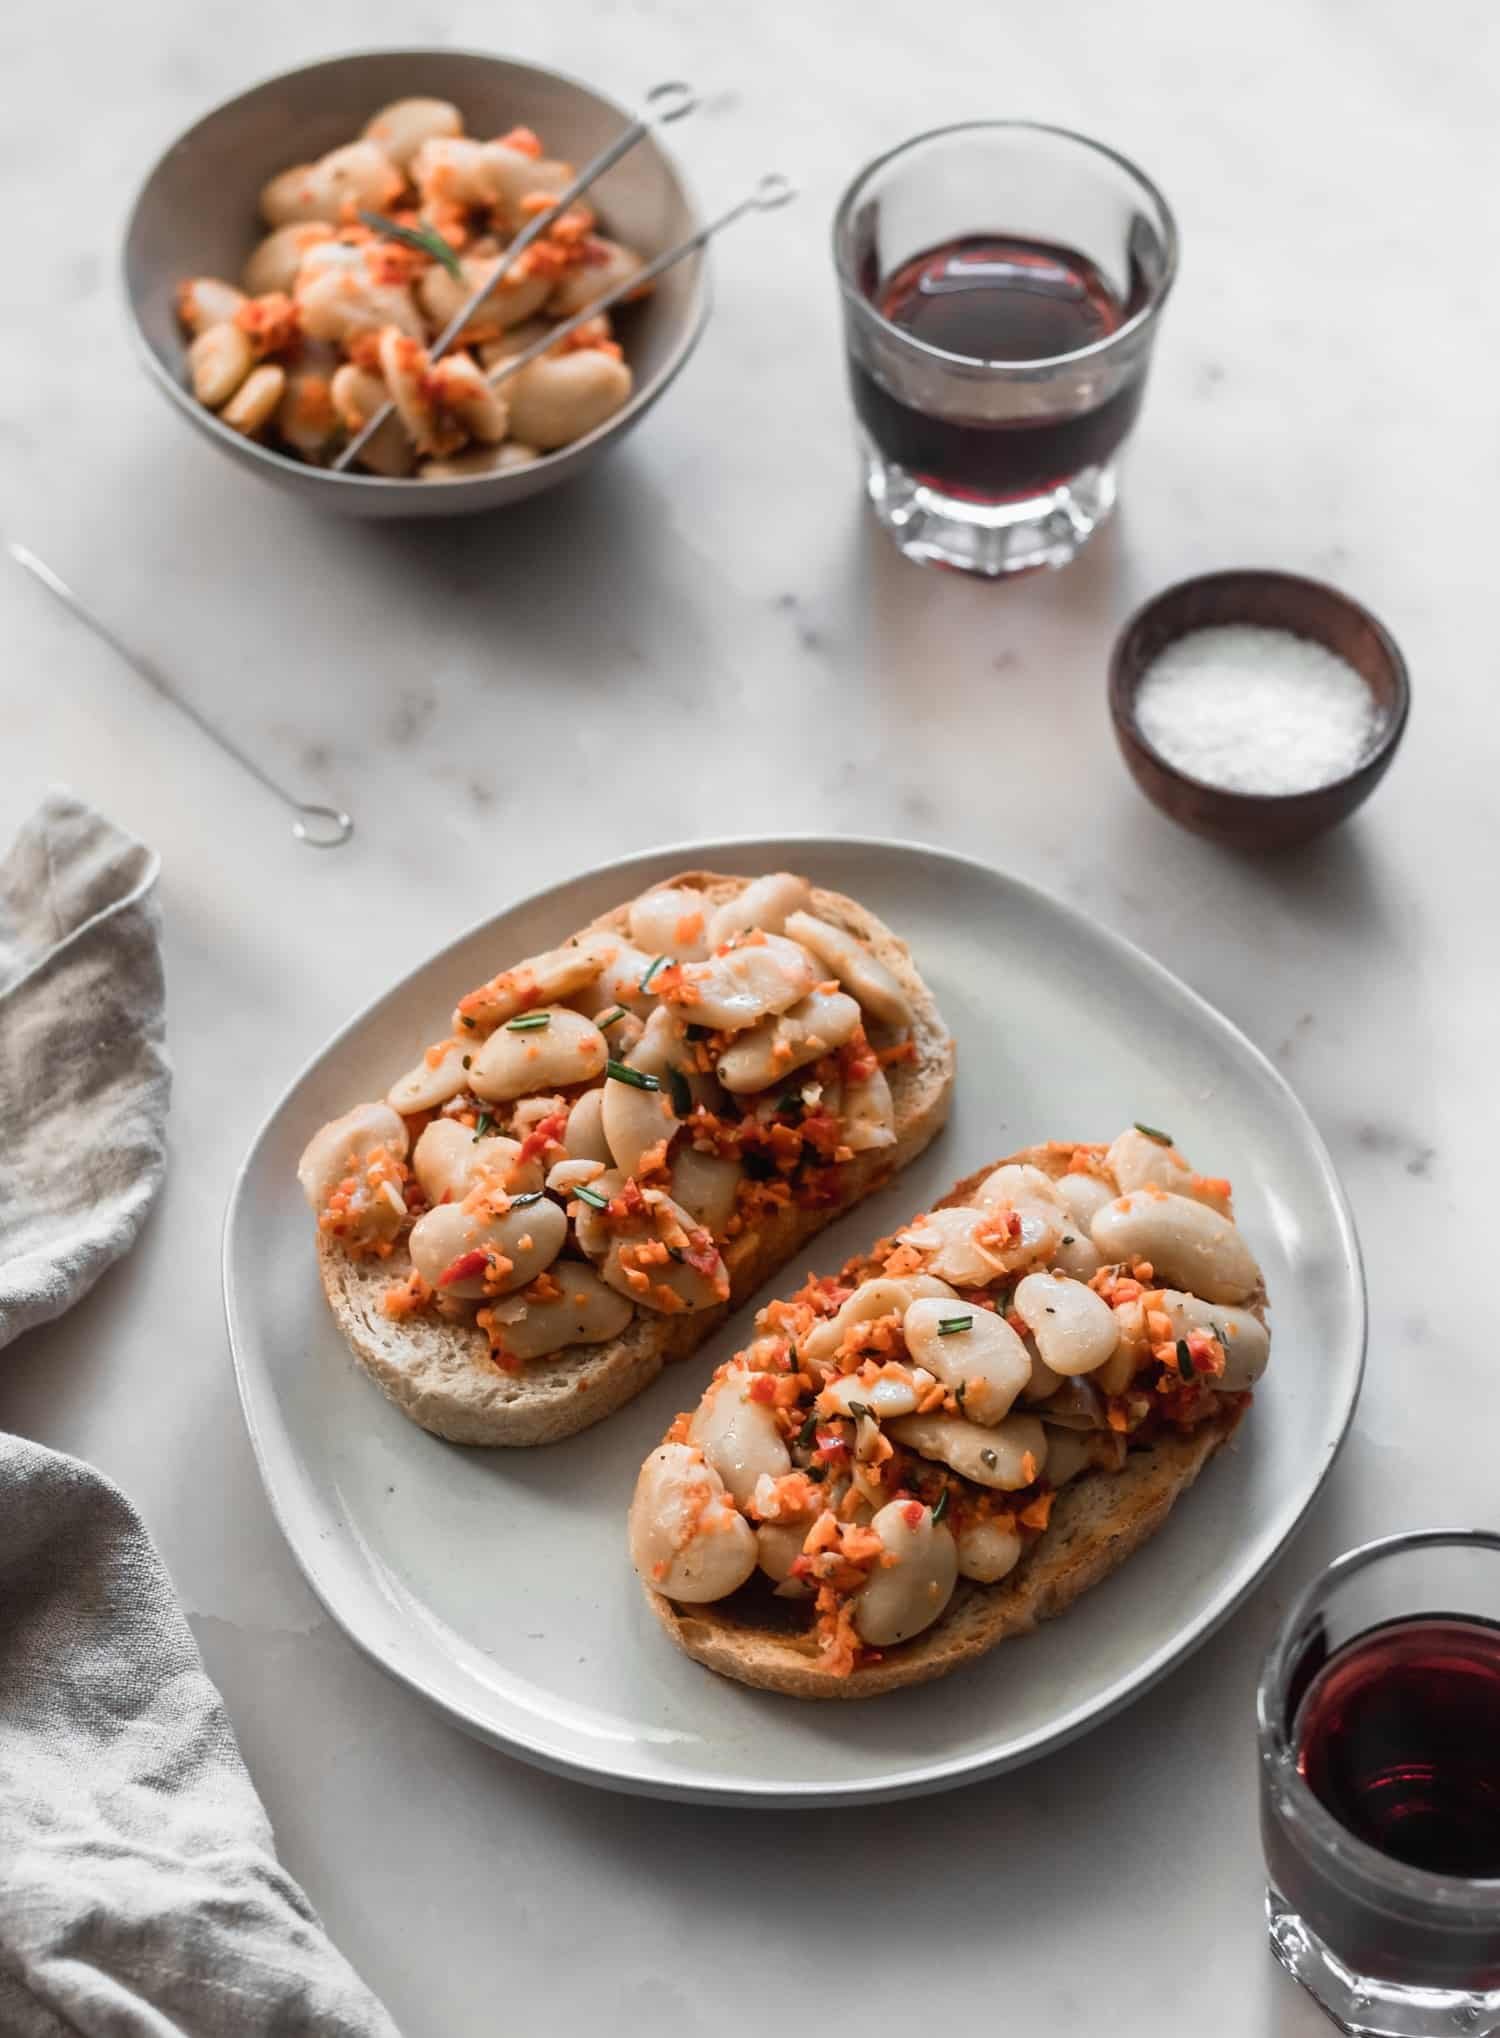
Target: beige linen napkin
<point x="140" y="1894"/>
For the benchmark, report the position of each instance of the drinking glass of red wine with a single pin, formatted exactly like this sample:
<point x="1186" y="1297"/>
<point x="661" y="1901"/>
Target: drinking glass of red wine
<point x="1380" y="1787"/>
<point x="1002" y="284"/>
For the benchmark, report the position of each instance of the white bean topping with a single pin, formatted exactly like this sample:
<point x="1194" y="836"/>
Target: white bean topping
<point x="1187" y="1243"/>
<point x="357" y="396"/>
<point x="529" y="1235"/>
<point x="547" y="1049"/>
<point x="671" y="921"/>
<point x="705" y="1184"/>
<point x="566" y="1176"/>
<point x="1084" y="1196"/>
<point x="207" y="301"/>
<point x="585" y="1313"/>
<point x="408" y="371"/>
<point x="748" y="984"/>
<point x="344" y="303"/>
<point x="359" y="174"/>
<point x="1006" y="1455"/>
<point x="475" y="460"/>
<point x="337" y="1146"/>
<point x="1075" y="1329"/>
<point x="254" y="402"/>
<point x="547" y="979"/>
<point x="1027" y="1190"/>
<point x="560" y="398"/>
<point x="510" y="303"/>
<point x="764" y="903"/>
<point x="988" y="1550"/>
<point x="275" y="263"/>
<point x="906" y="1596"/>
<point x="778" y="1546"/>
<point x="1246" y="1341"/>
<point x="636" y="1120"/>
<point x="892" y="1394"/>
<point x="402" y="127"/>
<point x="620" y="968"/>
<point x="451" y="170"/>
<point x="584" y="1137"/>
<point x="1071" y="1451"/>
<point x="977" y="1352"/>
<point x="767" y="1053"/>
<point x="1139" y="1161"/>
<point x="739" y="1436"/>
<point x="463" y="393"/>
<point x="1077" y="1253"/>
<point x="218" y="361"/>
<point x="869" y="1113"/>
<point x="687" y="1537"/>
<point x="1043" y="1382"/>
<point x="967" y="1246"/>
<point x="886" y="1295"/>
<point x="448" y="1160"/>
<point x="635" y="1270"/>
<point x="594" y="1236"/>
<point x="305" y="417"/>
<point x="582" y="285"/>
<point x="430" y="1083"/>
<point x="857" y="968"/>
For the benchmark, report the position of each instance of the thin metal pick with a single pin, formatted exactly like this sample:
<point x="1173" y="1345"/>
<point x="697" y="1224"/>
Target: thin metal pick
<point x="773" y="190"/>
<point x="319" y="827"/>
<point x="665" y="103"/>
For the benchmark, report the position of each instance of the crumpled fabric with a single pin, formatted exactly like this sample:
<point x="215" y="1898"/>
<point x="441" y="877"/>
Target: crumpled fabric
<point x="84" y="1080"/>
<point x="140" y="1894"/>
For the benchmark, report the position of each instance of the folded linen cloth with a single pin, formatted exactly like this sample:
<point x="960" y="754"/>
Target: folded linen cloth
<point x="140" y="1894"/>
<point x="84" y="1081"/>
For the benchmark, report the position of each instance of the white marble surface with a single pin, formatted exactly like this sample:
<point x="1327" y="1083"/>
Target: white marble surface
<point x="716" y="610"/>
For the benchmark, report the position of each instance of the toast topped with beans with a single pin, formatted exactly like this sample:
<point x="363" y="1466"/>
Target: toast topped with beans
<point x="617" y="1142"/>
<point x="961" y="1432"/>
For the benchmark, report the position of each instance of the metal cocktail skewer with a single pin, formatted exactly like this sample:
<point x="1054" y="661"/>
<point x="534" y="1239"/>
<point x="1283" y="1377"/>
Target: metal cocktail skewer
<point x="319" y="827"/>
<point x="666" y="103"/>
<point x="772" y="191"/>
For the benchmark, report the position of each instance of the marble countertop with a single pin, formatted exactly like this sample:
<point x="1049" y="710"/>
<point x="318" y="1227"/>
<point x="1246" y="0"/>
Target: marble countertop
<point x="505" y="700"/>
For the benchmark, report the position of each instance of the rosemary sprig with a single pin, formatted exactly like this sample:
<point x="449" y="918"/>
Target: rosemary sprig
<point x="422" y="238"/>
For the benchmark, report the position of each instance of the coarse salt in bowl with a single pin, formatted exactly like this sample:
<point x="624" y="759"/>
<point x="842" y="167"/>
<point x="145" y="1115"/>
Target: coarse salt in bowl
<point x="1257" y="708"/>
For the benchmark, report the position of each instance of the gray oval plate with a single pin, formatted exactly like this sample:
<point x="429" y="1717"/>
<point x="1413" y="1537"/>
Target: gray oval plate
<point x="496" y="1584"/>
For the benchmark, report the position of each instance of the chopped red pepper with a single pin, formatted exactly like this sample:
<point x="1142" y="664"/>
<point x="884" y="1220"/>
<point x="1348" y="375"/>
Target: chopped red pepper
<point x="548" y="1132"/>
<point x="913" y="1511"/>
<point x="463" y="1268"/>
<point x="762" y="1388"/>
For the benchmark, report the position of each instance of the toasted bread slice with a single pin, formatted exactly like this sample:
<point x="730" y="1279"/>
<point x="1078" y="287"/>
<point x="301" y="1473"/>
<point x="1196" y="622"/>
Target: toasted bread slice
<point x="441" y="1374"/>
<point x="1098" y="1520"/>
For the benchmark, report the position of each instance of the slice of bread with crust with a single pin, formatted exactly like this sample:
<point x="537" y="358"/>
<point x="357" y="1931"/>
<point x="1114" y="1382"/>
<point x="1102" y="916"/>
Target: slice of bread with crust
<point x="441" y="1373"/>
<point x="1098" y="1520"/>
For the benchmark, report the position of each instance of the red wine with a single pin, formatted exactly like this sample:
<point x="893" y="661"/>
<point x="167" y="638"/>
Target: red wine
<point x="1399" y="1736"/>
<point x="997" y="297"/>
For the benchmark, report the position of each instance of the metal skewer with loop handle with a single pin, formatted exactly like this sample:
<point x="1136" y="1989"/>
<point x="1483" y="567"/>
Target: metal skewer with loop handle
<point x="319" y="827"/>
<point x="665" y="103"/>
<point x="773" y="190"/>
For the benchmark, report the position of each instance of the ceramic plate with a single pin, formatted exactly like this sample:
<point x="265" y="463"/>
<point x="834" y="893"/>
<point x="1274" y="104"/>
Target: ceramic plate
<point x="496" y="1583"/>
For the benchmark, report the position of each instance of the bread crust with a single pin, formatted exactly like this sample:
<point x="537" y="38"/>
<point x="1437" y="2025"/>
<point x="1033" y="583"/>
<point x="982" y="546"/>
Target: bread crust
<point x="441" y="1374"/>
<point x="1098" y="1521"/>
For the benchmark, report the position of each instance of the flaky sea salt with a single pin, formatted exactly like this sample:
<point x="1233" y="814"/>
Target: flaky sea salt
<point x="1256" y="710"/>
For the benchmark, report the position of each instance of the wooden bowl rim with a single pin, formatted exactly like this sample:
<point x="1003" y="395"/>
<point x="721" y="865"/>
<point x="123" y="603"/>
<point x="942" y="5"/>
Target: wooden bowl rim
<point x="1123" y="687"/>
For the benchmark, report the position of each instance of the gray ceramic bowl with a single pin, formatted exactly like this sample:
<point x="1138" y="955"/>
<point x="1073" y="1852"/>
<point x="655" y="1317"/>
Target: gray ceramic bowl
<point x="196" y="216"/>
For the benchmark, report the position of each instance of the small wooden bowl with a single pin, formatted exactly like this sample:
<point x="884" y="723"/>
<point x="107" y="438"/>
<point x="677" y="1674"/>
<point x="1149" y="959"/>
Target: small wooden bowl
<point x="1276" y="601"/>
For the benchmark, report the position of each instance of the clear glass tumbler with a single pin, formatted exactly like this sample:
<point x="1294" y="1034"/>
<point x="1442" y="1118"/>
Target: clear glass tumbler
<point x="1379" y="1713"/>
<point x="1002" y="283"/>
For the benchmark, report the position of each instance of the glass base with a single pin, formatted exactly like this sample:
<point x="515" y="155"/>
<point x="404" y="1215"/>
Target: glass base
<point x="988" y="538"/>
<point x="1369" y="2008"/>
